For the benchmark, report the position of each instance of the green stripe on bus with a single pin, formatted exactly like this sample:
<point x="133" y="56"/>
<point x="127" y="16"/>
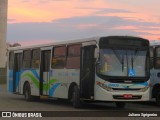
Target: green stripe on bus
<point x="53" y="81"/>
<point x="34" y="80"/>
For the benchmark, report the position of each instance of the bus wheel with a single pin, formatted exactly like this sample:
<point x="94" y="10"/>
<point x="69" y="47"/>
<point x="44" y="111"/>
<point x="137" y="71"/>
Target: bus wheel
<point x="27" y="92"/>
<point x="158" y="99"/>
<point x="76" y="97"/>
<point x="120" y="104"/>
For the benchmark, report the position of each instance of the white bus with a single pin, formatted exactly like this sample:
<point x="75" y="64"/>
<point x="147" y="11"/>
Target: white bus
<point x="155" y="70"/>
<point x="111" y="68"/>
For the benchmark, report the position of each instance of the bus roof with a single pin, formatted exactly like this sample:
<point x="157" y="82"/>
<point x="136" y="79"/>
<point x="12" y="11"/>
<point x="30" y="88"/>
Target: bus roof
<point x="154" y="42"/>
<point x="58" y="43"/>
<point x="65" y="42"/>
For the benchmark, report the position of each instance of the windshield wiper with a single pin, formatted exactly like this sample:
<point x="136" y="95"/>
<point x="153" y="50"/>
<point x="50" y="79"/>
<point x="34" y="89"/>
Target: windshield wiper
<point x="127" y="61"/>
<point x="119" y="58"/>
<point x="132" y="61"/>
<point x="134" y="57"/>
<point x="122" y="63"/>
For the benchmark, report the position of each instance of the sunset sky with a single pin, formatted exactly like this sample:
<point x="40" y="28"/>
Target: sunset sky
<point x="44" y="21"/>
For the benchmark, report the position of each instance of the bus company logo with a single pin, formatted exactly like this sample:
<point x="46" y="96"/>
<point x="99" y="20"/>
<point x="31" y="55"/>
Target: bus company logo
<point x="109" y="85"/>
<point x="113" y="85"/>
<point x="6" y="114"/>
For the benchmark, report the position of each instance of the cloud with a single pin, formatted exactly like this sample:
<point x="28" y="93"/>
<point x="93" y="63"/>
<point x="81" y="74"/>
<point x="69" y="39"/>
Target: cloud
<point x="25" y="1"/>
<point x="41" y="1"/>
<point x="105" y="21"/>
<point x="105" y="10"/>
<point x="110" y="10"/>
<point x="34" y="42"/>
<point x="79" y="27"/>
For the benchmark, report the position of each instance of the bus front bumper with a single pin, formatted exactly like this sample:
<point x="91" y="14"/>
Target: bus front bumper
<point x="104" y="95"/>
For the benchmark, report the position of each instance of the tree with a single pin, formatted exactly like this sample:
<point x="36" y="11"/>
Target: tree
<point x="13" y="45"/>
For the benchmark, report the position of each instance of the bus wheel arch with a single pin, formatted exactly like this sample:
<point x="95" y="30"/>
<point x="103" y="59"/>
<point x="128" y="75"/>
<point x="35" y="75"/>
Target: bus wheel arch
<point x="156" y="93"/>
<point x="74" y="95"/>
<point x="70" y="91"/>
<point x="26" y="82"/>
<point x="155" y="90"/>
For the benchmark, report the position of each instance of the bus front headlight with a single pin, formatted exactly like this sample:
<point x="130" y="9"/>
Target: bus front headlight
<point x="102" y="85"/>
<point x="144" y="89"/>
<point x="106" y="87"/>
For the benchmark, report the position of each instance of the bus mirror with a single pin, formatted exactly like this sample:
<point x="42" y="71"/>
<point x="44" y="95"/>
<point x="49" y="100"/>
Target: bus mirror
<point x="96" y="53"/>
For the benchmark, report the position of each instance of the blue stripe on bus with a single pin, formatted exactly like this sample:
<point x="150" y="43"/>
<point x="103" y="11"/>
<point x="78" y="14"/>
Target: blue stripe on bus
<point x="33" y="71"/>
<point x="17" y="79"/>
<point x="36" y="74"/>
<point x="11" y="80"/>
<point x="10" y="85"/>
<point x="52" y="90"/>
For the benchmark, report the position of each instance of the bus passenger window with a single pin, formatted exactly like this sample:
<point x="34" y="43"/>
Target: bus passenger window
<point x="59" y="58"/>
<point x="158" y="63"/>
<point x="11" y="60"/>
<point x="151" y="57"/>
<point x="36" y="58"/>
<point x="27" y="59"/>
<point x="157" y="59"/>
<point x="73" y="58"/>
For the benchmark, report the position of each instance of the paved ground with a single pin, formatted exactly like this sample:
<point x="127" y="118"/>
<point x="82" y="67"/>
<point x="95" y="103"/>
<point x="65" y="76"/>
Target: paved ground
<point x="11" y="102"/>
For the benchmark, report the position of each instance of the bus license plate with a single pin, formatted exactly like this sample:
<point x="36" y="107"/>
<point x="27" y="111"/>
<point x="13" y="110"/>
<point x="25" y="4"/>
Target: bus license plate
<point x="127" y="96"/>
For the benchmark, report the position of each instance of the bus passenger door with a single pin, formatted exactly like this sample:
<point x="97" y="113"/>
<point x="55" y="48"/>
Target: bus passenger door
<point x="44" y="72"/>
<point x="87" y="72"/>
<point x="155" y="73"/>
<point x="16" y="73"/>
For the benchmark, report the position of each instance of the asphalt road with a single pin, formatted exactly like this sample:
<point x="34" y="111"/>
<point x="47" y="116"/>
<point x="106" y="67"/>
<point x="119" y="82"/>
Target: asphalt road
<point x="11" y="102"/>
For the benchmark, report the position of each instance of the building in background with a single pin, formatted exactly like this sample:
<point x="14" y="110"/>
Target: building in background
<point x="3" y="34"/>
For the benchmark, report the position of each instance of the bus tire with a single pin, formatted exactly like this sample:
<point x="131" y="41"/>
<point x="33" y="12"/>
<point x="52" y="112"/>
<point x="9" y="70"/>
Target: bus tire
<point x="120" y="104"/>
<point x="76" y="97"/>
<point x="158" y="99"/>
<point x="27" y="92"/>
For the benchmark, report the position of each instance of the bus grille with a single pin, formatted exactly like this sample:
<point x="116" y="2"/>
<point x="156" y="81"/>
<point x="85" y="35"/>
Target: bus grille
<point x="131" y="89"/>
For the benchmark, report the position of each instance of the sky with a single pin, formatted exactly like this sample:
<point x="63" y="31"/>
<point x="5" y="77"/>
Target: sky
<point x="44" y="21"/>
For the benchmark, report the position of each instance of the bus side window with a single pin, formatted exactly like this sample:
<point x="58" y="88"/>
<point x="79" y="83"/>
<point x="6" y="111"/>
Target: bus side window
<point x="73" y="58"/>
<point x="59" y="57"/>
<point x="35" y="58"/>
<point x="151" y="57"/>
<point x="11" y="60"/>
<point x="27" y="59"/>
<point x="157" y="58"/>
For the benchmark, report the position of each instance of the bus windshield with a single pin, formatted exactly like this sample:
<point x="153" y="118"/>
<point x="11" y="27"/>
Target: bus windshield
<point x="122" y="62"/>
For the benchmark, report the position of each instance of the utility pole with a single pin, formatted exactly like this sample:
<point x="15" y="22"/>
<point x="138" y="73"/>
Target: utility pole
<point x="3" y="34"/>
